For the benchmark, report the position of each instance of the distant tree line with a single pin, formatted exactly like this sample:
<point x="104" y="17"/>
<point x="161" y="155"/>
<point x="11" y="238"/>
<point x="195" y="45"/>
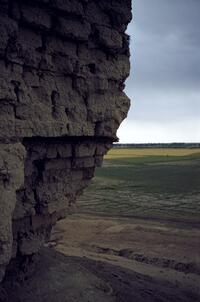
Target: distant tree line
<point x="158" y="145"/>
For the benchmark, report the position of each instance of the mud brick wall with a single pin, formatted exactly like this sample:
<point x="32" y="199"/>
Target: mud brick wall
<point x="63" y="64"/>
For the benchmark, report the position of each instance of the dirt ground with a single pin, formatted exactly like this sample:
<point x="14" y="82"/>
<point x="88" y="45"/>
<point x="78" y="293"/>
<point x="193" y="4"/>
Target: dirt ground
<point x="168" y="252"/>
<point x="92" y="258"/>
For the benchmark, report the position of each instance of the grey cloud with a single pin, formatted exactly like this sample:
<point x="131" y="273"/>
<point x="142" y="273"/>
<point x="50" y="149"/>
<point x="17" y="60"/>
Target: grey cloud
<point x="165" y="16"/>
<point x="165" y="58"/>
<point x="165" y="44"/>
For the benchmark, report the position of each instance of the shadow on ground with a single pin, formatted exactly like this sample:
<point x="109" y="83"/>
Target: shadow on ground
<point x="59" y="278"/>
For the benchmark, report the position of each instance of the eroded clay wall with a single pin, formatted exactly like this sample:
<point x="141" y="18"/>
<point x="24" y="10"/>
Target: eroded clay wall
<point x="63" y="64"/>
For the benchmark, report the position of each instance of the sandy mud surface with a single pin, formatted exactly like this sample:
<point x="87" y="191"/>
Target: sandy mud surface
<point x="163" y="250"/>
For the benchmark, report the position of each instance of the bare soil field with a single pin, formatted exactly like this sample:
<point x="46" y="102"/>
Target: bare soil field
<point x="161" y="251"/>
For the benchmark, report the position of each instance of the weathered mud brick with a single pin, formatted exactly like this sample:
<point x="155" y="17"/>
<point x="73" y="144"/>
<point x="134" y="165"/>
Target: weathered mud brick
<point x="36" y="17"/>
<point x="85" y="149"/>
<point x="72" y="29"/>
<point x="110" y="38"/>
<point x="85" y="162"/>
<point x="65" y="150"/>
<point x="63" y="66"/>
<point x="66" y="6"/>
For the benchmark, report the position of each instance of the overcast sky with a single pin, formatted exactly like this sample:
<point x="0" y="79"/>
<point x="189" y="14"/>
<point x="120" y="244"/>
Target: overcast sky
<point x="164" y="84"/>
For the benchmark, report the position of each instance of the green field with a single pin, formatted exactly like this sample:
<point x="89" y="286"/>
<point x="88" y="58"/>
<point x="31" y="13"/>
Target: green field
<point x="146" y="183"/>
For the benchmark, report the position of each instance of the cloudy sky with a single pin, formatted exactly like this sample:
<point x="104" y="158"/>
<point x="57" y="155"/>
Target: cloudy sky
<point x="164" y="84"/>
